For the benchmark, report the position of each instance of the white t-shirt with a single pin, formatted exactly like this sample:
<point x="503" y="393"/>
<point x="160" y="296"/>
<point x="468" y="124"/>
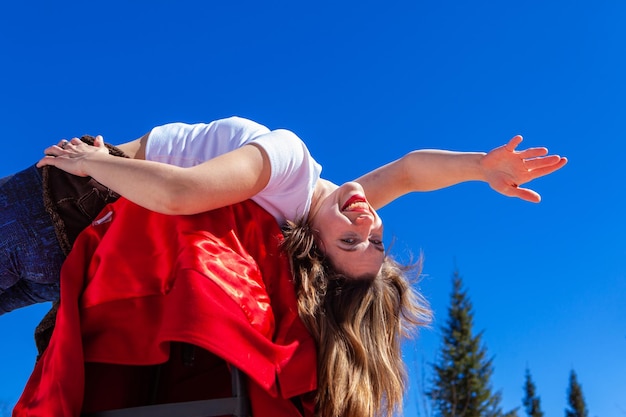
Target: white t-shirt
<point x="294" y="172"/>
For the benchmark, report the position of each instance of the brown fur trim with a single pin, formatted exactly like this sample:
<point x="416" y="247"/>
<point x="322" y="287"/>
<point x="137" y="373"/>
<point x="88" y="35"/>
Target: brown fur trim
<point x="43" y="331"/>
<point x="72" y="203"/>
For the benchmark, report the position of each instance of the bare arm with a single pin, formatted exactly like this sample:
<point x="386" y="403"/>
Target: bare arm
<point x="504" y="169"/>
<point x="135" y="149"/>
<point x="228" y="179"/>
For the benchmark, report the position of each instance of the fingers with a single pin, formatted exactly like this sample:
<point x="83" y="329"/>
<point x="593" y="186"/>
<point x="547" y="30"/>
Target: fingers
<point x="545" y="170"/>
<point x="74" y="142"/>
<point x="515" y="140"/>
<point x="54" y="150"/>
<point x="61" y="148"/>
<point x="542" y="162"/>
<point x="71" y="145"/>
<point x="526" y="153"/>
<point x="50" y="159"/>
<point x="63" y="143"/>
<point x="46" y="160"/>
<point x="525" y="194"/>
<point x="533" y="152"/>
<point x="99" y="141"/>
<point x="67" y="155"/>
<point x="529" y="195"/>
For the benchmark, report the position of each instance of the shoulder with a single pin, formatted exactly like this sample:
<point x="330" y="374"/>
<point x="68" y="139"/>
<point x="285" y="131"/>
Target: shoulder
<point x="293" y="175"/>
<point x="228" y="127"/>
<point x="283" y="144"/>
<point x="185" y="144"/>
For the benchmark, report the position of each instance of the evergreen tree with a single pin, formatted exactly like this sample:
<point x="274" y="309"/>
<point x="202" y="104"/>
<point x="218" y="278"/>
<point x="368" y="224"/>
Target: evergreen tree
<point x="532" y="404"/>
<point x="576" y="400"/>
<point x="461" y="382"/>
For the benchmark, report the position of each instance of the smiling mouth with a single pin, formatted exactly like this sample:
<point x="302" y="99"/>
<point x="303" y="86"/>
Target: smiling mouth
<point x="356" y="203"/>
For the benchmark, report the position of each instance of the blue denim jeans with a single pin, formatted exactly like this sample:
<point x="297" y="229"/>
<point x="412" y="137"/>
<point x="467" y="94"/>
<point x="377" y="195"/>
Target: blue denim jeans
<point x="30" y="255"/>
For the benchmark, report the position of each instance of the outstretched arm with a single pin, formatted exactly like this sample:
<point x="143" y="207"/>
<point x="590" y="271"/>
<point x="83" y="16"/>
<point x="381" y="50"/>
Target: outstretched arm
<point x="227" y="179"/>
<point x="503" y="168"/>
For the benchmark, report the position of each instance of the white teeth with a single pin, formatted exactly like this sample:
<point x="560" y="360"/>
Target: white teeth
<point x="358" y="204"/>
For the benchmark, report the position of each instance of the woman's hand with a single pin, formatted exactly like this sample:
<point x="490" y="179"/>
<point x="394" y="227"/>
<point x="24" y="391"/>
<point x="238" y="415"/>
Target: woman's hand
<point x="70" y="155"/>
<point x="505" y="169"/>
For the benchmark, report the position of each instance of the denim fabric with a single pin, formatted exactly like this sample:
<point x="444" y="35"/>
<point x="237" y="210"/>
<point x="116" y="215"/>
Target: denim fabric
<point x="30" y="255"/>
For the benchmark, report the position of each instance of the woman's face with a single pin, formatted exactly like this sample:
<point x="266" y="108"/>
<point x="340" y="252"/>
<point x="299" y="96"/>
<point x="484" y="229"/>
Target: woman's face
<point x="349" y="231"/>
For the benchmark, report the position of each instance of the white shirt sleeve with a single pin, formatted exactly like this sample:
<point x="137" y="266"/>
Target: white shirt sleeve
<point x="294" y="172"/>
<point x="186" y="145"/>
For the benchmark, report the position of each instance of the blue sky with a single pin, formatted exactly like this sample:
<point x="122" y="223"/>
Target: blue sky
<point x="363" y="83"/>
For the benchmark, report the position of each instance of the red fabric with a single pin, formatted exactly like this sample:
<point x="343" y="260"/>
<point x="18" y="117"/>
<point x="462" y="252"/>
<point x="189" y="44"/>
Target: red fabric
<point x="137" y="280"/>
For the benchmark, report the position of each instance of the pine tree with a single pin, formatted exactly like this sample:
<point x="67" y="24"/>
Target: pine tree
<point x="575" y="398"/>
<point x="461" y="382"/>
<point x="531" y="401"/>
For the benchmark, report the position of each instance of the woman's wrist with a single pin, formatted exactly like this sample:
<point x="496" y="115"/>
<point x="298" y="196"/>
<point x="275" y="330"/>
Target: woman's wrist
<point x="90" y="163"/>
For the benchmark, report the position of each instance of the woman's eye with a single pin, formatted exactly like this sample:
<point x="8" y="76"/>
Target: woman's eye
<point x="378" y="244"/>
<point x="349" y="241"/>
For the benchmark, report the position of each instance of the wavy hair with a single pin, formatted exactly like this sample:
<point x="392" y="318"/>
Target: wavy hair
<point x="358" y="324"/>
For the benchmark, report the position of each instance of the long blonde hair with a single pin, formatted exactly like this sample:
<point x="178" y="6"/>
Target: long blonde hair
<point x="358" y="325"/>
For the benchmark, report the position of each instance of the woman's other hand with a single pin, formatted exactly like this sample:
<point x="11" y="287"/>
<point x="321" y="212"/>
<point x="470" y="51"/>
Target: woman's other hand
<point x="71" y="155"/>
<point x="506" y="168"/>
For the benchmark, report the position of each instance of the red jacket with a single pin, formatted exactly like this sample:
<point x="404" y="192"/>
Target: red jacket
<point x="137" y="280"/>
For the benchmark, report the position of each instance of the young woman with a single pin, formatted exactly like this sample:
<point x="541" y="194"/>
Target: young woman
<point x="275" y="169"/>
<point x="224" y="162"/>
<point x="346" y="286"/>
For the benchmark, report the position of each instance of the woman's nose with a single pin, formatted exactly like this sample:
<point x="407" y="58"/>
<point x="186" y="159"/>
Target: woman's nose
<point x="368" y="224"/>
<point x="364" y="220"/>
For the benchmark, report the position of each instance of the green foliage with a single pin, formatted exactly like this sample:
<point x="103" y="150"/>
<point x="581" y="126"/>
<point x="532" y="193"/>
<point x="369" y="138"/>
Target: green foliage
<point x="531" y="401"/>
<point x="461" y="383"/>
<point x="575" y="398"/>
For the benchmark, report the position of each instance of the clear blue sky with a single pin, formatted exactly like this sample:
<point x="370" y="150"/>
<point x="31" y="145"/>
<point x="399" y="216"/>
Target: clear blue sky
<point x="362" y="83"/>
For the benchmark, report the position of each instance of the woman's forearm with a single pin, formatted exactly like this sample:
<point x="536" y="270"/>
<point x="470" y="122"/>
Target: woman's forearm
<point x="422" y="170"/>
<point x="152" y="185"/>
<point x="227" y="179"/>
<point x="504" y="168"/>
<point x="430" y="170"/>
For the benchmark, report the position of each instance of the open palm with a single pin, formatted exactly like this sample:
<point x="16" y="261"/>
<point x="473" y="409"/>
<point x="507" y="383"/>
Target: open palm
<point x="506" y="169"/>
